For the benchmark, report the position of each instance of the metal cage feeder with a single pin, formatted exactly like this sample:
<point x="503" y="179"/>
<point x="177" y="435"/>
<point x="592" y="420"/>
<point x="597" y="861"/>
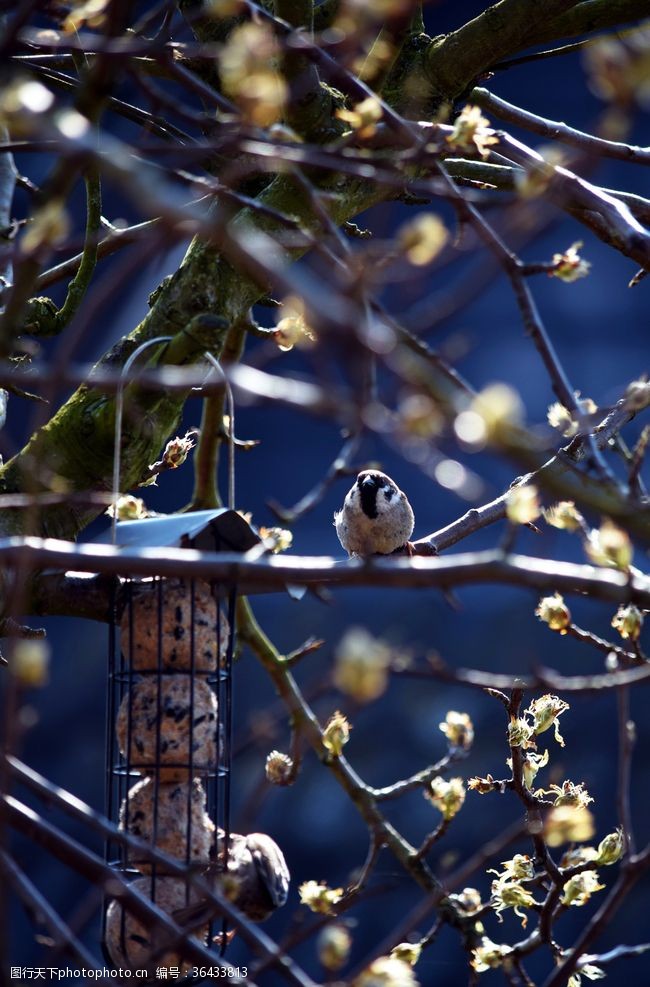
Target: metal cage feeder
<point x="169" y="725"/>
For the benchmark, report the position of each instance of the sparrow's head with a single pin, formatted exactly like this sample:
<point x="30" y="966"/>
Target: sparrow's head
<point x="377" y="492"/>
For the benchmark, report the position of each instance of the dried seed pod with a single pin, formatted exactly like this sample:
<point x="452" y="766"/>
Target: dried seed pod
<point x="164" y="719"/>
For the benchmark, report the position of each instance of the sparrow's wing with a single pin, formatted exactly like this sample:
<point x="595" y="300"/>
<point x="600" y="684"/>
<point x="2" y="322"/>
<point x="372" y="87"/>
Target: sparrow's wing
<point x="271" y="866"/>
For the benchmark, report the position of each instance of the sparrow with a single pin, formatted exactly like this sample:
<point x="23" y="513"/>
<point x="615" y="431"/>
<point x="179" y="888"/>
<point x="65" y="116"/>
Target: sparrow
<point x="376" y="517"/>
<point x="256" y="879"/>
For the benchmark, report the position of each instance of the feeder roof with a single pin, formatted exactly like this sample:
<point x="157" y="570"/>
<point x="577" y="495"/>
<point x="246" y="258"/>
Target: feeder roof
<point x="219" y="530"/>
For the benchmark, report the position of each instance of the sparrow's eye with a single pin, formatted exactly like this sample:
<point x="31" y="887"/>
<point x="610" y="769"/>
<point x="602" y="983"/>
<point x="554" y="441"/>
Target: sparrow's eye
<point x="388" y="493"/>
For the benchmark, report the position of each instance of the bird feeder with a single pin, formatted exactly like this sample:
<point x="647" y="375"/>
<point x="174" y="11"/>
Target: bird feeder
<point x="169" y="724"/>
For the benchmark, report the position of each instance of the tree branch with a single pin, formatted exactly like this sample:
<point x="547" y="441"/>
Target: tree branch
<point x="466" y="569"/>
<point x="559" y="131"/>
<point x="457" y="59"/>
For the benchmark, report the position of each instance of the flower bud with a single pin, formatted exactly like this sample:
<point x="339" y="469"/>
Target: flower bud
<point x="611" y="847"/>
<point x="30" y="662"/>
<point x="336" y="734"/>
<point x="522" y="504"/>
<point x="333" y="946"/>
<point x="447" y="796"/>
<point x="458" y="729"/>
<point x="568" y="824"/>
<point x="579" y="889"/>
<point x="609" y="546"/>
<point x="319" y="898"/>
<point x="564" y="515"/>
<point x="552" y="610"/>
<point x="569" y="266"/>
<point x="279" y="768"/>
<point x="409" y="952"/>
<point x="628" y="621"/>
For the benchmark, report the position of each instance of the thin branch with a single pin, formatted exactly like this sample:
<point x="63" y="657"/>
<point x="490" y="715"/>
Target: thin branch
<point x="626" y="739"/>
<point x="43" y="913"/>
<point x="634" y="868"/>
<point x="590" y="15"/>
<point x="617" y="953"/>
<point x="615" y="223"/>
<point x="83" y="276"/>
<point x="421" y="778"/>
<point x="304" y="719"/>
<point x="559" y="131"/>
<point x="465" y="569"/>
<point x="588" y="637"/>
<point x="541" y="678"/>
<point x="530" y="316"/>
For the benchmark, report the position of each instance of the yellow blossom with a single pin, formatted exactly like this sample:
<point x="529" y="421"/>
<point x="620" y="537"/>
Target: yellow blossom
<point x="561" y="418"/>
<point x="336" y="734"/>
<point x="361" y="665"/>
<point x="387" y="971"/>
<point x="568" y="824"/>
<point x="128" y="508"/>
<point x="533" y="181"/>
<point x="545" y="712"/>
<point x="458" y="729"/>
<point x="609" y="546"/>
<point x="482" y="785"/>
<point x="611" y="847"/>
<point x="92" y="13"/>
<point x="333" y="945"/>
<point x="293" y="329"/>
<point x="319" y="898"/>
<point x="531" y="765"/>
<point x="564" y="515"/>
<point x="30" y="662"/>
<point x="420" y="416"/>
<point x="518" y="868"/>
<point x="579" y="888"/>
<point x="492" y="412"/>
<point x="468" y="900"/>
<point x="422" y="239"/>
<point x="522" y="504"/>
<point x="569" y="793"/>
<point x="590" y="971"/>
<point x="363" y="117"/>
<point x="511" y="894"/>
<point x="470" y="132"/>
<point x="278" y="539"/>
<point x="552" y="610"/>
<point x="409" y="952"/>
<point x="246" y="66"/>
<point x="489" y="955"/>
<point x="447" y="796"/>
<point x="50" y="225"/>
<point x="177" y="450"/>
<point x="637" y="395"/>
<point x="569" y="266"/>
<point x="520" y="733"/>
<point x="578" y="855"/>
<point x="628" y="621"/>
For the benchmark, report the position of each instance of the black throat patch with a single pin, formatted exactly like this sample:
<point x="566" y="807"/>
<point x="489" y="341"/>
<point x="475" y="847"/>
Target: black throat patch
<point x="368" y="492"/>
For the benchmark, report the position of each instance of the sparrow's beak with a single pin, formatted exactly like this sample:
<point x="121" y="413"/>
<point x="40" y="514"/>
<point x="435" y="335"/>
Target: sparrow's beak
<point x="368" y="482"/>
